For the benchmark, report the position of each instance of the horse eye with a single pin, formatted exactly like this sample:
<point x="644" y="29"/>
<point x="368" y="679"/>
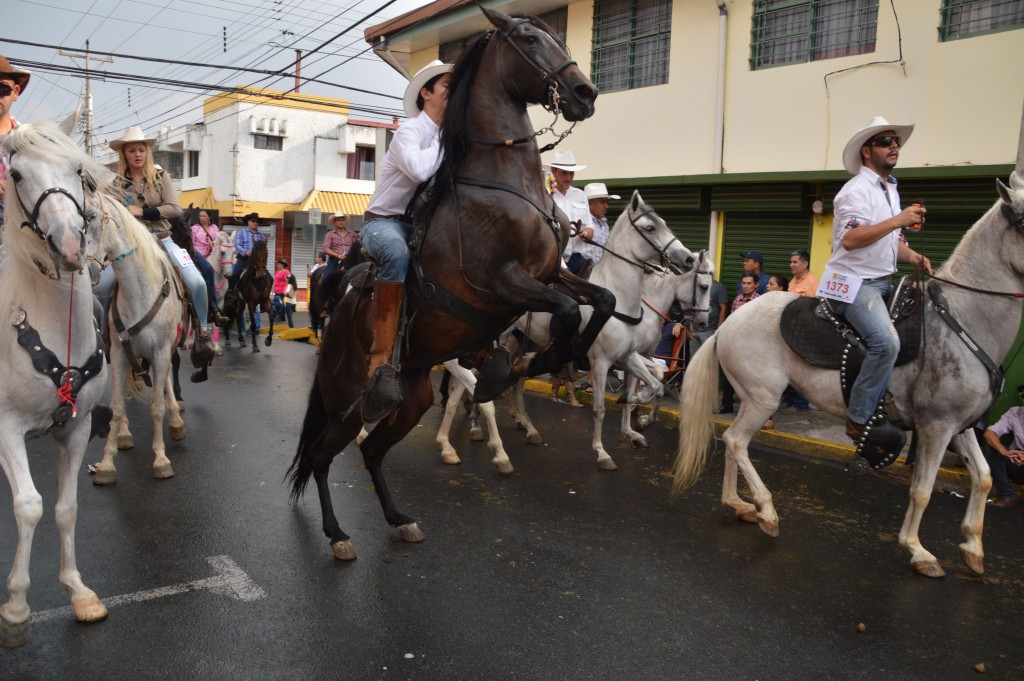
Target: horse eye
<point x="530" y="39"/>
<point x="16" y="176"/>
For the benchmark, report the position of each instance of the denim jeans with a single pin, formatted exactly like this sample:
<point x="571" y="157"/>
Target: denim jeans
<point x="868" y="314"/>
<point x="386" y="240"/>
<point x="206" y="269"/>
<point x="193" y="280"/>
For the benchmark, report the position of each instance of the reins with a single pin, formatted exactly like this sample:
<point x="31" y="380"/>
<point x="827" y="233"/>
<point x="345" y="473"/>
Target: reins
<point x="648" y="268"/>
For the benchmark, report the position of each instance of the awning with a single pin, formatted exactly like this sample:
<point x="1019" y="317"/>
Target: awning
<point x="334" y="202"/>
<point x="200" y="198"/>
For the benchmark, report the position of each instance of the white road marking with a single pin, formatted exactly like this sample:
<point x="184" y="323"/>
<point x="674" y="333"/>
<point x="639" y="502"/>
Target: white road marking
<point x="230" y="581"/>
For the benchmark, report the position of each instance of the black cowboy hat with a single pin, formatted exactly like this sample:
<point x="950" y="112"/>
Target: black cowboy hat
<point x="251" y="216"/>
<point x="283" y="263"/>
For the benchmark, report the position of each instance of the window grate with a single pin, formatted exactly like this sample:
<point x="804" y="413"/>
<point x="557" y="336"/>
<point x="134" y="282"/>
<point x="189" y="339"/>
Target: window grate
<point x="799" y="31"/>
<point x="631" y="44"/>
<point x="966" y="18"/>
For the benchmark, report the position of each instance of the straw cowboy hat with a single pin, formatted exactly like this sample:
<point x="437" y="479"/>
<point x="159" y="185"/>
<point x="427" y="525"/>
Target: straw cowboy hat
<point x="851" y="154"/>
<point x="412" y="91"/>
<point x="18" y="76"/>
<point x="338" y="216"/>
<point x="132" y="134"/>
<point x="564" y="160"/>
<point x="597" y="190"/>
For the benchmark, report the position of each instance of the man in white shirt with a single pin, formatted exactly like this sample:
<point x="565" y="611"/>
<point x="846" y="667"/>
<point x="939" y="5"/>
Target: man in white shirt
<point x="413" y="158"/>
<point x="867" y="243"/>
<point x="572" y="201"/>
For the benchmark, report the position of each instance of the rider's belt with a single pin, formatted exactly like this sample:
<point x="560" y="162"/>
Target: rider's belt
<point x="367" y="216"/>
<point x="887" y="277"/>
<point x="163" y="235"/>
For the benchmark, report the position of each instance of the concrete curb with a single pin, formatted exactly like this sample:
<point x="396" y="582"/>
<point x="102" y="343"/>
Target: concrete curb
<point x="810" y="447"/>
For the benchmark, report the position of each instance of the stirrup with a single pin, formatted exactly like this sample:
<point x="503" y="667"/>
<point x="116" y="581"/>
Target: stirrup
<point x="383" y="394"/>
<point x="879" y="446"/>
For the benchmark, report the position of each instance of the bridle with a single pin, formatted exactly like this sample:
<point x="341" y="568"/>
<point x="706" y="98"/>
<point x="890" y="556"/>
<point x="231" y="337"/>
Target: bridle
<point x="33" y="216"/>
<point x="662" y="252"/>
<point x="553" y="103"/>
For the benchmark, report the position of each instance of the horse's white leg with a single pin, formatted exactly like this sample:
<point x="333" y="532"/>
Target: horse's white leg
<point x="500" y="460"/>
<point x="28" y="509"/>
<point x="599" y="372"/>
<point x="106" y="471"/>
<point x="971" y="551"/>
<point x="518" y="411"/>
<point x="638" y="370"/>
<point x="931" y="445"/>
<point x="448" y="453"/>
<point x="627" y="413"/>
<point x="174" y="421"/>
<point x="736" y="439"/>
<point x="84" y="601"/>
<point x="363" y="434"/>
<point x="157" y="406"/>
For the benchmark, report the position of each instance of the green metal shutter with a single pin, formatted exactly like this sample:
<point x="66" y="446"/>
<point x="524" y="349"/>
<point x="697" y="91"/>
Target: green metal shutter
<point x="776" y="235"/>
<point x="683" y="208"/>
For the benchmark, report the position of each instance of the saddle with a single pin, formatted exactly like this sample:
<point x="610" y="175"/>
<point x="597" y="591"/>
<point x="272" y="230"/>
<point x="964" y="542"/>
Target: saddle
<point x="822" y="337"/>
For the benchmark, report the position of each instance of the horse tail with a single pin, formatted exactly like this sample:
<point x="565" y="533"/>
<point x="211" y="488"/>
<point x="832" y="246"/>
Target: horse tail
<point x="696" y="406"/>
<point x="133" y="386"/>
<point x="312" y="427"/>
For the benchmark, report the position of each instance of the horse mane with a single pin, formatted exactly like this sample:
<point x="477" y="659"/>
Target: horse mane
<point x="259" y="255"/>
<point x="153" y="257"/>
<point x="455" y="129"/>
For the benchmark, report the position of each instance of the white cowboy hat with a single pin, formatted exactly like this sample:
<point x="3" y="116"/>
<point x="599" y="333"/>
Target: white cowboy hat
<point x="132" y="134"/>
<point x="851" y="154"/>
<point x="597" y="190"/>
<point x="339" y="214"/>
<point x="412" y="90"/>
<point x="564" y="160"/>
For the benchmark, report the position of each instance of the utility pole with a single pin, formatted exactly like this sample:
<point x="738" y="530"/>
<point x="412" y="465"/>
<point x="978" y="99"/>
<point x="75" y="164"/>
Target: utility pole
<point x="88" y="90"/>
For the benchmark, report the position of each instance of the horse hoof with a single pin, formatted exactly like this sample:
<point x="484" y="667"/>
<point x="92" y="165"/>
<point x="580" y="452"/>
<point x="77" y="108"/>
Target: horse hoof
<point x="607" y="464"/>
<point x="181" y="405"/>
<point x="411" y="533"/>
<point x="255" y="348"/>
<point x="929" y="568"/>
<point x="268" y="340"/>
<point x="163" y="471"/>
<point x="771" y="528"/>
<point x="534" y="439"/>
<point x="640" y="441"/>
<point x="104" y="477"/>
<point x="643" y="422"/>
<point x="125" y="442"/>
<point x="178" y="433"/>
<point x="199" y="375"/>
<point x="14" y="635"/>
<point x="973" y="561"/>
<point x="476" y="434"/>
<point x="90" y="609"/>
<point x="749" y="516"/>
<point x="452" y="459"/>
<point x="343" y="550"/>
<point x="504" y="467"/>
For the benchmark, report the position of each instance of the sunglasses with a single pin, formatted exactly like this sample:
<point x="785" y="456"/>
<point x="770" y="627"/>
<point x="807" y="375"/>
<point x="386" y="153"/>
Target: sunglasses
<point x="6" y="89"/>
<point x="886" y="141"/>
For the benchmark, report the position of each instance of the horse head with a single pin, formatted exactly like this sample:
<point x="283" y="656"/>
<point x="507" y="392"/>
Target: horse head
<point x="538" y="68"/>
<point x="259" y="255"/>
<point x="51" y="180"/>
<point x="656" y="240"/>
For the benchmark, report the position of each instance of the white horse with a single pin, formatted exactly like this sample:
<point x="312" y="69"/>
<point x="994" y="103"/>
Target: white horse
<point x="44" y="291"/>
<point x="463" y="381"/>
<point x="144" y="320"/>
<point x="638" y="237"/>
<point x="940" y="394"/>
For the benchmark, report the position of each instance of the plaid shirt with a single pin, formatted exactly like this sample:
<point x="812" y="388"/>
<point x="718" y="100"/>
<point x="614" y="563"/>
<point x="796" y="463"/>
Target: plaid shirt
<point x="244" y="241"/>
<point x="339" y="243"/>
<point x="1011" y="422"/>
<point x="740" y="301"/>
<point x="601" y="233"/>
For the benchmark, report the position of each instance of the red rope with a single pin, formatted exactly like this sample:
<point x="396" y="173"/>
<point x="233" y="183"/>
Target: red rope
<point x="64" y="392"/>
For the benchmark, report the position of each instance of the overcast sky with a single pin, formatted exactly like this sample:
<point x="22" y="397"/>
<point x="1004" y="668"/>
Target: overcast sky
<point x="261" y="34"/>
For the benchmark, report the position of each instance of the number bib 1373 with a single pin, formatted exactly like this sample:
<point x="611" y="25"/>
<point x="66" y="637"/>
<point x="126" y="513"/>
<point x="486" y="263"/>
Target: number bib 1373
<point x="838" y="286"/>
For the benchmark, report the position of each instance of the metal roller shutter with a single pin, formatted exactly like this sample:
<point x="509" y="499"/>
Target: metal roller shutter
<point x="305" y="246"/>
<point x="683" y="208"/>
<point x="775" y="235"/>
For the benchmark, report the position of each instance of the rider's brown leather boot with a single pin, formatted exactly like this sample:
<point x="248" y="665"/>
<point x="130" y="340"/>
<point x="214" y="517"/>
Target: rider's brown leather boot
<point x="384" y="393"/>
<point x="854" y="430"/>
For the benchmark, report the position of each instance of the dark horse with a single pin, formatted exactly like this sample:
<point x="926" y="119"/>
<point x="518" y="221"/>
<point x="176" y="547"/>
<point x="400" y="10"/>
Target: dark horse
<point x="489" y="247"/>
<point x="254" y="288"/>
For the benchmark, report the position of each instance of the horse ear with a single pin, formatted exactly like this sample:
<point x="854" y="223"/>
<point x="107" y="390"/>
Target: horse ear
<point x="1017" y="180"/>
<point x="1004" y="191"/>
<point x="635" y="201"/>
<point x="499" y="20"/>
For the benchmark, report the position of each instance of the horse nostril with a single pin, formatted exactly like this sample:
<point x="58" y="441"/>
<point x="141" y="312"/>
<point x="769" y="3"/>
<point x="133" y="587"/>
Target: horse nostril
<point x="585" y="92"/>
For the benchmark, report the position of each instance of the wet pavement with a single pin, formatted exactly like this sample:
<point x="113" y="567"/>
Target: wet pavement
<point x="559" y="571"/>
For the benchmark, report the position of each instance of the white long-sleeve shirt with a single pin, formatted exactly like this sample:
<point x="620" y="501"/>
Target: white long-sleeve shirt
<point x="866" y="199"/>
<point x="413" y="157"/>
<point x="576" y="207"/>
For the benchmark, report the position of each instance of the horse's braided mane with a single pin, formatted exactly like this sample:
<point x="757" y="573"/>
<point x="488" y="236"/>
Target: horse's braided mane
<point x="455" y="130"/>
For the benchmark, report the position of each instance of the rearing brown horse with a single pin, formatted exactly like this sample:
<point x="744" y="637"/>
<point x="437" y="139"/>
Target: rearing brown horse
<point x="489" y="247"/>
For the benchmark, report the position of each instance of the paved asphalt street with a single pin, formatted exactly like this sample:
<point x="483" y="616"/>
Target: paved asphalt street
<point x="560" y="571"/>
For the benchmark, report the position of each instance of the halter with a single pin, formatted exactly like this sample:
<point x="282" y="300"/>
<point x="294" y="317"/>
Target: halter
<point x="665" y="265"/>
<point x="33" y="221"/>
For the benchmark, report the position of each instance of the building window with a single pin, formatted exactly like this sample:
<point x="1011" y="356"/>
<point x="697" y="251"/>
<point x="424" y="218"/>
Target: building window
<point x="193" y="164"/>
<point x="797" y="31"/>
<point x="631" y="43"/>
<point x="557" y="19"/>
<point x="268" y="142"/>
<point x="361" y="164"/>
<point x="964" y="18"/>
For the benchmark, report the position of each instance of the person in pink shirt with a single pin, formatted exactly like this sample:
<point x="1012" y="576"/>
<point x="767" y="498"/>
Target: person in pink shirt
<point x="281" y="277"/>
